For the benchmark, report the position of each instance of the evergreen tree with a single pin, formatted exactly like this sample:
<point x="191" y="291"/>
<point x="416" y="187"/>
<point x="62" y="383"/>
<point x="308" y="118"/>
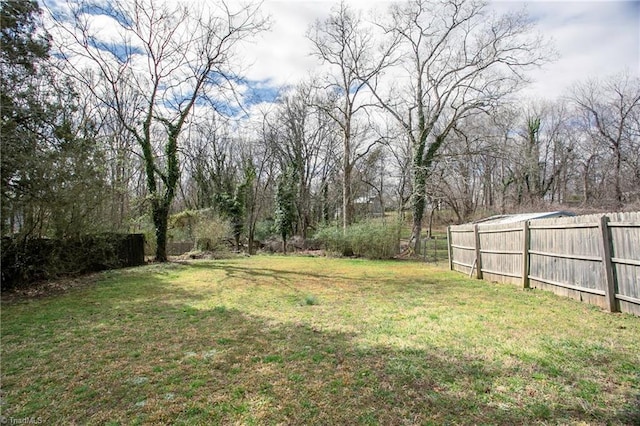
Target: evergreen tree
<point x="22" y="50"/>
<point x="50" y="164"/>
<point x="233" y="205"/>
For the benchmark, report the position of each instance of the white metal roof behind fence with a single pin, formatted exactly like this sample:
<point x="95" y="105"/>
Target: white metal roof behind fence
<point x="513" y="218"/>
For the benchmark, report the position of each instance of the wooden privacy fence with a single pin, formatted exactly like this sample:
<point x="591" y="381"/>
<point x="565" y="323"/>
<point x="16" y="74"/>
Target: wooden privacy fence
<point x="594" y="258"/>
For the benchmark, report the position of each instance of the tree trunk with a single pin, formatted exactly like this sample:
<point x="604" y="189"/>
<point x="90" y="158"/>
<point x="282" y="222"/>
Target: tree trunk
<point x="303" y="210"/>
<point x="346" y="181"/>
<point x="326" y="217"/>
<point x="422" y="163"/>
<point x="416" y="230"/>
<point x="418" y="204"/>
<point x="431" y="214"/>
<point x="346" y="199"/>
<point x="251" y="238"/>
<point x="236" y="239"/>
<point x="618" y="187"/>
<point x="160" y="212"/>
<point x="586" y="190"/>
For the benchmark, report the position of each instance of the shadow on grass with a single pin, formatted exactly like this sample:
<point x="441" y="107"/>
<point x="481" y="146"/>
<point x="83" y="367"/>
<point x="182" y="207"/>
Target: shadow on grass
<point x="296" y="374"/>
<point x="241" y="271"/>
<point x="144" y="355"/>
<point x="253" y="274"/>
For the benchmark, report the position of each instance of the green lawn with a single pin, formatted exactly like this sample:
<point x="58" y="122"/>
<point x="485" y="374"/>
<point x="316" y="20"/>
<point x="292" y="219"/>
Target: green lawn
<point x="302" y="340"/>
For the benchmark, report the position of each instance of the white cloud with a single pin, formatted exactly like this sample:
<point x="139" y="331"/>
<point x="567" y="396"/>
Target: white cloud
<point x="282" y="54"/>
<point x="593" y="38"/>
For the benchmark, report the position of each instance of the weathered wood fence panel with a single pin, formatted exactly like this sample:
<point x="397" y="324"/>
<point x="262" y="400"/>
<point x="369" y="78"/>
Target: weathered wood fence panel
<point x="462" y="248"/>
<point x="625" y="238"/>
<point x="501" y="252"/>
<point x="565" y="257"/>
<point x="595" y="258"/>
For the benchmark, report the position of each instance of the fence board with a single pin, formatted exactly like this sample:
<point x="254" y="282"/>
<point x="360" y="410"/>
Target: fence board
<point x="526" y="257"/>
<point x="610" y="283"/>
<point x="462" y="240"/>
<point x="501" y="251"/>
<point x="178" y="248"/>
<point x="625" y="238"/>
<point x="565" y="255"/>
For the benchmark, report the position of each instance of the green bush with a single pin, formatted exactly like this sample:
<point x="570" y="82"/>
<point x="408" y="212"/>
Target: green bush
<point x="181" y="225"/>
<point x="265" y="229"/>
<point x="311" y="300"/>
<point x="211" y="231"/>
<point x="204" y="229"/>
<point x="27" y="261"/>
<point x="370" y="239"/>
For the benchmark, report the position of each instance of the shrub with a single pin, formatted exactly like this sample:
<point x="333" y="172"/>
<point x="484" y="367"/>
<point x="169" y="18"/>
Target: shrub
<point x="370" y="239"/>
<point x="264" y="229"/>
<point x="190" y="229"/>
<point x="31" y="260"/>
<point x="211" y="231"/>
<point x="332" y="239"/>
<point x="311" y="300"/>
<point x="181" y="225"/>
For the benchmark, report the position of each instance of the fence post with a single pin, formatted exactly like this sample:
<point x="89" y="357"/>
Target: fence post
<point x="478" y="258"/>
<point x="449" y="248"/>
<point x="610" y="287"/>
<point x="435" y="248"/>
<point x="526" y="240"/>
<point x="424" y="256"/>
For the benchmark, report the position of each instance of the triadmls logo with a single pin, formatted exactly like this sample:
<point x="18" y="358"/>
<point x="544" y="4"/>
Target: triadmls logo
<point x="4" y="420"/>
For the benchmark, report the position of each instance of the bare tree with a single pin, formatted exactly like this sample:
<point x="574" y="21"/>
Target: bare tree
<point x="545" y="150"/>
<point x="610" y="114"/>
<point x="210" y="160"/>
<point x="594" y="166"/>
<point x="398" y="165"/>
<point x="461" y="174"/>
<point x="347" y="46"/>
<point x="157" y="61"/>
<point x="457" y="59"/>
<point x="297" y="144"/>
<point x="261" y="193"/>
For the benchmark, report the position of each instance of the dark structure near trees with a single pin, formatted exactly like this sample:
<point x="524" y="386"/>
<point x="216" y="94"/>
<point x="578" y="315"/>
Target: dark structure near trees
<point x="25" y="261"/>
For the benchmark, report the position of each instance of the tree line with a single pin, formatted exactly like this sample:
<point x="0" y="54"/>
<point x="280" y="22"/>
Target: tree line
<point x="415" y="110"/>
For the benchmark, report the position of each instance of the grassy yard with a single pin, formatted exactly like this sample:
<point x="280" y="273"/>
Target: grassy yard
<point x="301" y="340"/>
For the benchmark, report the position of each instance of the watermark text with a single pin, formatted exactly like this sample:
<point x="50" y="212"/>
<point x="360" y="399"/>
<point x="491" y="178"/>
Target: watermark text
<point x="21" y="420"/>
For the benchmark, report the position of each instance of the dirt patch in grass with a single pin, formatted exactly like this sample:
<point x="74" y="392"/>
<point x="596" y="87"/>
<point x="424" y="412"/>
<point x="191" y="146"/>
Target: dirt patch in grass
<point x="49" y="288"/>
